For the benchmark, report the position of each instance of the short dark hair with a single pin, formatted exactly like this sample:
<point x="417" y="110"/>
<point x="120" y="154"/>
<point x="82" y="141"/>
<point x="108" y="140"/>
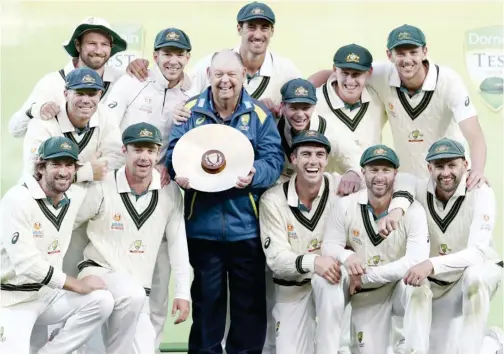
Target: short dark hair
<point x="40" y="164"/>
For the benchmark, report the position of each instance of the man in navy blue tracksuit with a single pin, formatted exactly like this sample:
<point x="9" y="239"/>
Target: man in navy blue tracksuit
<point x="222" y="228"/>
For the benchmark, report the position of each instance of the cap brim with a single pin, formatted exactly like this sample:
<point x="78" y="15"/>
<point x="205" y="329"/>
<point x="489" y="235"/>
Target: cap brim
<point x="173" y="44"/>
<point x="407" y="42"/>
<point x="118" y="44"/>
<point x="142" y="140"/>
<point x="377" y="158"/>
<point x="59" y="155"/>
<point x="445" y="156"/>
<point x="235" y="146"/>
<point x="354" y="66"/>
<point x="300" y="100"/>
<point x="85" y="86"/>
<point x="311" y="141"/>
<point x="258" y="17"/>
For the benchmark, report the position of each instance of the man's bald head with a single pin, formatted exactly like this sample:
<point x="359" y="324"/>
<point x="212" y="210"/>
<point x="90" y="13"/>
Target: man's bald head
<point x="226" y="74"/>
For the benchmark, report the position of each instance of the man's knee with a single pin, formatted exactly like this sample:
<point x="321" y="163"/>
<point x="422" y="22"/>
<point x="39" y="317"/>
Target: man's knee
<point x="101" y="301"/>
<point x="133" y="297"/>
<point x="418" y="294"/>
<point x="477" y="278"/>
<point x="321" y="284"/>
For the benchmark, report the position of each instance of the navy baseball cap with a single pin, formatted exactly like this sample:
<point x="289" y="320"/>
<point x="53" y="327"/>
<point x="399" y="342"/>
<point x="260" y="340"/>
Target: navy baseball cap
<point x="256" y="10"/>
<point x="142" y="133"/>
<point x="84" y="78"/>
<point x="298" y="91"/>
<point x="379" y="152"/>
<point x="313" y="137"/>
<point x="56" y="147"/>
<point x="172" y="37"/>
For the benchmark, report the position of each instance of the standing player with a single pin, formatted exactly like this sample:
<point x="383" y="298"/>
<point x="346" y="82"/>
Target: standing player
<point x="424" y="102"/>
<point x="92" y="43"/>
<point x="36" y="221"/>
<point x="464" y="270"/>
<point x="129" y="212"/>
<point x="153" y="101"/>
<point x="376" y="265"/>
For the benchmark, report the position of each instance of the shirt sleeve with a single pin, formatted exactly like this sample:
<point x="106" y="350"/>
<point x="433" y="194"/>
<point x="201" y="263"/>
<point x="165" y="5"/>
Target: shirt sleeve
<point x="457" y="96"/>
<point x="16" y="241"/>
<point x="404" y="191"/>
<point x="335" y="234"/>
<point x="110" y="144"/>
<point x="479" y="246"/>
<point x="346" y="155"/>
<point x="36" y="133"/>
<point x="417" y="249"/>
<point x="280" y="257"/>
<point x="118" y="99"/>
<point x="177" y="245"/>
<point x="92" y="206"/>
<point x="198" y="75"/>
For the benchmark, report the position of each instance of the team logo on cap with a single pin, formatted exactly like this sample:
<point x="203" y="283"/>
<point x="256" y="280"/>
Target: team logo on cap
<point x="172" y="36"/>
<point x="87" y="79"/>
<point x="403" y="36"/>
<point x="352" y="58"/>
<point x="145" y="133"/>
<point x="379" y="151"/>
<point x="441" y="148"/>
<point x="311" y="133"/>
<point x="66" y="146"/>
<point x="301" y="91"/>
<point x="257" y="11"/>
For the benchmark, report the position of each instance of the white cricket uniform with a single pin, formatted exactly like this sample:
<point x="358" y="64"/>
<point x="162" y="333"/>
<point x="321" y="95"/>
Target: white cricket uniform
<point x="151" y="101"/>
<point x="50" y="89"/>
<point x="125" y="235"/>
<point x="362" y="125"/>
<point x="273" y="74"/>
<point x="34" y="236"/>
<point x="344" y="156"/>
<point x="432" y="114"/>
<point x="466" y="274"/>
<point x="291" y="240"/>
<point x="266" y="83"/>
<point x="388" y="259"/>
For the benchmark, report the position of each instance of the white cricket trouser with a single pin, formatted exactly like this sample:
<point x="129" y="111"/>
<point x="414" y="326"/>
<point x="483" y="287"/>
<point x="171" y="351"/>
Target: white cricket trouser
<point x="128" y="329"/>
<point x="459" y="316"/>
<point x="82" y="314"/>
<point x="372" y="313"/>
<point x="75" y="253"/>
<point x="269" y="344"/>
<point x="160" y="289"/>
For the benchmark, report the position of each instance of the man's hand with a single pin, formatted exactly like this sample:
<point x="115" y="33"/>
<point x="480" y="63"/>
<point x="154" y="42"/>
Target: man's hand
<point x="389" y="222"/>
<point x="180" y="114"/>
<point x="328" y="268"/>
<point x="183" y="182"/>
<point x="138" y="69"/>
<point x="243" y="182"/>
<point x="99" y="167"/>
<point x="182" y="306"/>
<point x="475" y="178"/>
<point x="350" y="183"/>
<point x="89" y="284"/>
<point x="355" y="266"/>
<point x="49" y="110"/>
<point x="355" y="284"/>
<point x="274" y="108"/>
<point x="165" y="176"/>
<point x="417" y="274"/>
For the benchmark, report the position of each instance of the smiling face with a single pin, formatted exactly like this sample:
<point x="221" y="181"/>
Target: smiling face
<point x="256" y="35"/>
<point x="350" y="83"/>
<point x="57" y="174"/>
<point x="141" y="159"/>
<point x="82" y="104"/>
<point x="408" y="59"/>
<point x="226" y="75"/>
<point x="310" y="162"/>
<point x="447" y="173"/>
<point x="172" y="61"/>
<point x="379" y="176"/>
<point x="94" y="49"/>
<point x="298" y="114"/>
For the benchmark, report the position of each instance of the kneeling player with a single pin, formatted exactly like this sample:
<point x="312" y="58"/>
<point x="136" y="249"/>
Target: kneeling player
<point x="464" y="270"/>
<point x="376" y="265"/>
<point x="128" y="214"/>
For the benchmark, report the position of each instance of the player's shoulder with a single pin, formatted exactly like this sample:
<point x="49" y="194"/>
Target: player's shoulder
<point x="113" y="74"/>
<point x="171" y="191"/>
<point x="261" y="111"/>
<point x="282" y="61"/>
<point x="129" y="83"/>
<point x="106" y="116"/>
<point x="191" y="102"/>
<point x="485" y="192"/>
<point x="17" y="194"/>
<point x="415" y="209"/>
<point x="274" y="194"/>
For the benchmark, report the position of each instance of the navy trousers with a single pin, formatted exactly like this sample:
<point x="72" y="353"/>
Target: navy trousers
<point x="214" y="262"/>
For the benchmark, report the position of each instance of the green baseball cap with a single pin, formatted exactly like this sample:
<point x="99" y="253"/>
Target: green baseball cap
<point x="379" y="152"/>
<point x="353" y="56"/>
<point x="172" y="37"/>
<point x="445" y="149"/>
<point x="58" y="146"/>
<point x="256" y="10"/>
<point x="298" y="91"/>
<point x="406" y="34"/>
<point x="95" y="24"/>
<point x="84" y="78"/>
<point x="311" y="137"/>
<point x="142" y="133"/>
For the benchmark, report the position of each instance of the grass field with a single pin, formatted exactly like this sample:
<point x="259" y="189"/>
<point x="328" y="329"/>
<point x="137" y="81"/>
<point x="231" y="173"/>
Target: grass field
<point x="306" y="32"/>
